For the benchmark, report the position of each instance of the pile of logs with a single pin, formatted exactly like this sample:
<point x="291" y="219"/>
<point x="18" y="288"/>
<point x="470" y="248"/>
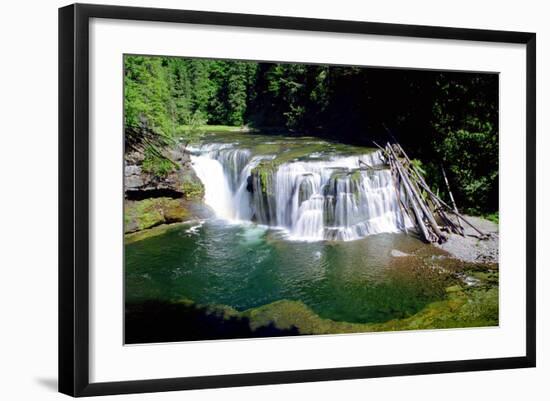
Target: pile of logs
<point x="433" y="218"/>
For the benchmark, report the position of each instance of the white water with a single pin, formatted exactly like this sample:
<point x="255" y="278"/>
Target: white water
<point x="310" y="200"/>
<point x="217" y="194"/>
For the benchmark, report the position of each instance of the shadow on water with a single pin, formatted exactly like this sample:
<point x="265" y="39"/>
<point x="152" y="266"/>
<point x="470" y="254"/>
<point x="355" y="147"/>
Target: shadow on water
<point x="159" y="321"/>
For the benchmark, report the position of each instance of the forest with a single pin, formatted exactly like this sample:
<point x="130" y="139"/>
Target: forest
<point x="445" y="120"/>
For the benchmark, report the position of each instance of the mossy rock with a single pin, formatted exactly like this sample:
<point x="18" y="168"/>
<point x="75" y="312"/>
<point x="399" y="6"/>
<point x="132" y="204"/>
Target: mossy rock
<point x="262" y="174"/>
<point x="130" y="238"/>
<point x="454" y="288"/>
<point x="147" y="213"/>
<point x="476" y="308"/>
<point x="174" y="212"/>
<point x="191" y="185"/>
<point x="472" y="308"/>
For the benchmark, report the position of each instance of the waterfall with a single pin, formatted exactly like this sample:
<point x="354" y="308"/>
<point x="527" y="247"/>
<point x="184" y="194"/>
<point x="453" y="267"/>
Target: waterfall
<point x="217" y="193"/>
<point x="312" y="200"/>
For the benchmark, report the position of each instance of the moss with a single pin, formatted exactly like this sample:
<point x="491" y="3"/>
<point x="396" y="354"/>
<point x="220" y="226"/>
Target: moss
<point x="300" y="151"/>
<point x="356" y="176"/>
<point x="147" y="213"/>
<point x="263" y="173"/>
<point x="267" y="148"/>
<point x="265" y="180"/>
<point x="193" y="189"/>
<point x="356" y="179"/>
<point x="490" y="278"/>
<point x="286" y="148"/>
<point x="467" y="308"/>
<point x="174" y="211"/>
<point x="454" y="288"/>
<point x="139" y="215"/>
<point x="130" y="238"/>
<point x="481" y="307"/>
<point x="462" y="309"/>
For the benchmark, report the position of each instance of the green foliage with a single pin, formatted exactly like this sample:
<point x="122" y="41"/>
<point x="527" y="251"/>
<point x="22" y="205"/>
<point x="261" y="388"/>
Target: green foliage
<point x="492" y="217"/>
<point x="174" y="97"/>
<point x="156" y="164"/>
<point x="419" y="166"/>
<point x="193" y="128"/>
<point x="232" y="83"/>
<point x="465" y="121"/>
<point x="147" y="94"/>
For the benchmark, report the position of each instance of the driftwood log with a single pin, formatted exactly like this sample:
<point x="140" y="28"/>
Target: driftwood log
<point x="430" y="214"/>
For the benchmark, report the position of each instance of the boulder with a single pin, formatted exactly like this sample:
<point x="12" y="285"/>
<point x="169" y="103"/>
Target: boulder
<point x="398" y="254"/>
<point x="142" y="214"/>
<point x="182" y="182"/>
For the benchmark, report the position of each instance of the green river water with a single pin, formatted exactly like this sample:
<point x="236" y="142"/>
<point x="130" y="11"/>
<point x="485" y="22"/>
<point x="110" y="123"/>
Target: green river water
<point x="246" y="266"/>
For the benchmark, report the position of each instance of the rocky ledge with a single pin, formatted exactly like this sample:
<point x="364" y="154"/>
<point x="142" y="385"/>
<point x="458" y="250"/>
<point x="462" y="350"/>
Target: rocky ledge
<point x="152" y="200"/>
<point x="181" y="182"/>
<point x="147" y="213"/>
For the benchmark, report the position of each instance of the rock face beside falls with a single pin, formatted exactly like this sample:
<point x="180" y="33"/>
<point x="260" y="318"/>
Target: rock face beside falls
<point x="314" y="196"/>
<point x="182" y="182"/>
<point x="152" y="200"/>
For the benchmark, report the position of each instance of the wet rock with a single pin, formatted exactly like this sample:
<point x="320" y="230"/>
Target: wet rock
<point x="147" y="213"/>
<point x="182" y="182"/>
<point x="398" y="254"/>
<point x="133" y="177"/>
<point x="470" y="281"/>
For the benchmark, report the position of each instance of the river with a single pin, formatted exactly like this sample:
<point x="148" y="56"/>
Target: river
<point x="293" y="219"/>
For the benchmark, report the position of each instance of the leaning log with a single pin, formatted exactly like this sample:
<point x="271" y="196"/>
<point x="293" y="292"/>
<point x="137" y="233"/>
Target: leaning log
<point x="421" y="203"/>
<point x="458" y="215"/>
<point x="418" y="215"/>
<point x="418" y="202"/>
<point x="449" y="224"/>
<point x="452" y="197"/>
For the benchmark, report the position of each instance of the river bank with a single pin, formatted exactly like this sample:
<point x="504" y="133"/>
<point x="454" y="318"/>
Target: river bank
<point x="470" y="248"/>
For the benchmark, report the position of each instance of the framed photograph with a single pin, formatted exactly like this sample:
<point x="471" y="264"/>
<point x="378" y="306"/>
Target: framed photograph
<point x="250" y="199"/>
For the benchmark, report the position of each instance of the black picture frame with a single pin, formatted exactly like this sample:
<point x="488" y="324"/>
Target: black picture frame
<point x="74" y="198"/>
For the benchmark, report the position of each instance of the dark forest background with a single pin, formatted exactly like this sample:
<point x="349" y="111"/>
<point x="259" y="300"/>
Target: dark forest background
<point x="442" y="119"/>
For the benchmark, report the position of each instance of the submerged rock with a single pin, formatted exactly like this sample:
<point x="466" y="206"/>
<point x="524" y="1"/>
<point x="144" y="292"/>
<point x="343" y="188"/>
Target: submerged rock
<point x="398" y="254"/>
<point x="131" y="238"/>
<point x="471" y="281"/>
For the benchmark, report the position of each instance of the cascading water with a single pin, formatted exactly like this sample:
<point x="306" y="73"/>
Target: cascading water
<point x="217" y="193"/>
<point x="312" y="200"/>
